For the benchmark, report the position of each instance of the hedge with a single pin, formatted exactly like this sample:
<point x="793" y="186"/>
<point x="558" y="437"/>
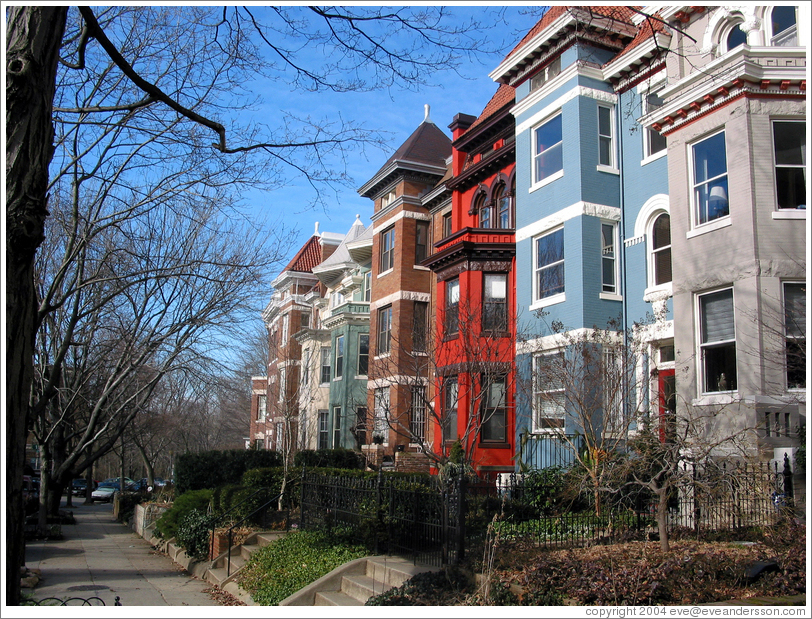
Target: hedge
<point x="209" y="469"/>
<point x="329" y="458"/>
<point x="167" y="525"/>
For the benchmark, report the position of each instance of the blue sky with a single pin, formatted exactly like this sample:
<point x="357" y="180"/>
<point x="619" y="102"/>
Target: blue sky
<point x="397" y="112"/>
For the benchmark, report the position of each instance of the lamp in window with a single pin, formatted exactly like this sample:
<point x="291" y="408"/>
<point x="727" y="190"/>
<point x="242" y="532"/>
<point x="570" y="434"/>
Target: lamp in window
<point x="717" y="202"/>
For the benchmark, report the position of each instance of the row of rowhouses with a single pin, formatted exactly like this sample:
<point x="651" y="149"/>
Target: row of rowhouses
<point x="639" y="175"/>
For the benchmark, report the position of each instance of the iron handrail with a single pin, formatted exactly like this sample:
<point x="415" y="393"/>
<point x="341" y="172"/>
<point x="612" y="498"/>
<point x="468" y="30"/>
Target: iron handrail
<point x="236" y="524"/>
<point x="222" y="517"/>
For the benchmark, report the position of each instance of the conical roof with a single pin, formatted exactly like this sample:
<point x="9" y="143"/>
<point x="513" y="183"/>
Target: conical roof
<point x="425" y="150"/>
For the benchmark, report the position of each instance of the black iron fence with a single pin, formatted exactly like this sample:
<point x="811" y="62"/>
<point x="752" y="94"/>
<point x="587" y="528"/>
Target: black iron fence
<point x="433" y="521"/>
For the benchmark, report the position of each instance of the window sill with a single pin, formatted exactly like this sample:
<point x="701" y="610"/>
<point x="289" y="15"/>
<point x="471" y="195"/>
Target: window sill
<point x="654" y="157"/>
<point x="610" y="296"/>
<point x="338" y="378"/>
<point x="418" y="267"/>
<point x="493" y="445"/>
<point x="608" y="169"/>
<point x="722" y="222"/>
<point x="790" y="214"/>
<point x="382" y="355"/>
<point x="548" y="431"/>
<point x="361" y="376"/>
<point x="546" y="181"/>
<point x="715" y="399"/>
<point x="451" y="336"/>
<point x="386" y="272"/>
<point x="547" y="301"/>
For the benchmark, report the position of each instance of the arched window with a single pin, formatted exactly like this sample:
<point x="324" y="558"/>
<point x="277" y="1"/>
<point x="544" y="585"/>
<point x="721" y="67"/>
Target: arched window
<point x="660" y="251"/>
<point x="784" y="30"/>
<point x="485" y="218"/>
<point x="501" y="205"/>
<point x="736" y="37"/>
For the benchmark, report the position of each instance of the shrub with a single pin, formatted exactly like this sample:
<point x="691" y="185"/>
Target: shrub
<point x="209" y="469"/>
<point x="329" y="458"/>
<point x="193" y="533"/>
<point x="288" y="564"/>
<point x="167" y="525"/>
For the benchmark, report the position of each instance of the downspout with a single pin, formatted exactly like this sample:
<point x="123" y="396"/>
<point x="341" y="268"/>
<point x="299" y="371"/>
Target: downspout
<point x="622" y="243"/>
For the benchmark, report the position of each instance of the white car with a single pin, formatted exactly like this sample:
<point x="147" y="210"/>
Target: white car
<point x="105" y="491"/>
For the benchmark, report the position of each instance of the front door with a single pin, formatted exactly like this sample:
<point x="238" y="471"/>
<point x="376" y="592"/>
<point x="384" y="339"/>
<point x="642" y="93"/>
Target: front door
<point x="667" y="388"/>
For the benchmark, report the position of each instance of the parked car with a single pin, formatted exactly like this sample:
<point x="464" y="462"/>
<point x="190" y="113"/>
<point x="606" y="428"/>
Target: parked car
<point x="143" y="483"/>
<point x="107" y="489"/>
<point x="79" y="486"/>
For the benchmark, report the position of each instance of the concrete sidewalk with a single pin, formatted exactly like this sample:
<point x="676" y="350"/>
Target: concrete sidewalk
<point x="104" y="558"/>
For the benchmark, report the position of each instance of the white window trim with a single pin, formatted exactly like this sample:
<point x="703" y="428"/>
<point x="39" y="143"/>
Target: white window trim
<point x="653" y="289"/>
<point x="714" y="224"/>
<point x="612" y="296"/>
<point x="536" y="184"/>
<point x="534" y="429"/>
<point x="709" y="397"/>
<point x="546" y="181"/>
<point x="611" y="168"/>
<point x="552" y="299"/>
<point x="654" y="157"/>
<point x="778" y="209"/>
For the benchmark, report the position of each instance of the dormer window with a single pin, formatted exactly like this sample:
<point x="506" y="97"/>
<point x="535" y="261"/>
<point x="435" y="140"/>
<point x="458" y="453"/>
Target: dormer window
<point x="546" y="74"/>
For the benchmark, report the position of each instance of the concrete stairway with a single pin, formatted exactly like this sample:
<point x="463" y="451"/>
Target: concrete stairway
<point x="353" y="583"/>
<point x="218" y="572"/>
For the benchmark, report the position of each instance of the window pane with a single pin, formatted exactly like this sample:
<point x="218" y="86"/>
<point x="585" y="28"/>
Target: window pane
<point x="604" y="121"/>
<point x="548" y="134"/>
<point x="495" y="287"/>
<point x="795" y="309"/>
<point x="549" y="162"/>
<point x="548" y="149"/>
<point x="662" y="267"/>
<point x="710" y="158"/>
<point x="736" y="37"/>
<point x="711" y="200"/>
<point x="717" y="317"/>
<point x="551" y="281"/>
<point x="783" y="17"/>
<point x="662" y="232"/>
<point x="720" y="368"/>
<point x="790" y="143"/>
<point x="605" y="151"/>
<point x="550" y="248"/>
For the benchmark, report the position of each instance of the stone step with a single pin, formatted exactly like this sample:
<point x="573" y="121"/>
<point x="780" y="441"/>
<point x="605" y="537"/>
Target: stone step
<point x="335" y="598"/>
<point x="362" y="587"/>
<point x="216" y="575"/>
<point x="393" y="571"/>
<point x="247" y="549"/>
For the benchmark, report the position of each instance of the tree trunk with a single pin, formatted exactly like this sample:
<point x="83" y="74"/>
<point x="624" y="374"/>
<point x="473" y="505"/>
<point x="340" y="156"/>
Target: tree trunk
<point x="89" y="486"/>
<point x="34" y="34"/>
<point x="662" y="518"/>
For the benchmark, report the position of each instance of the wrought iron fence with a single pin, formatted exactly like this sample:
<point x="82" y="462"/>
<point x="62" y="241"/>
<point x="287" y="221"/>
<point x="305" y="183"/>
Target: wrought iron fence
<point x="411" y="516"/>
<point x="433" y="521"/>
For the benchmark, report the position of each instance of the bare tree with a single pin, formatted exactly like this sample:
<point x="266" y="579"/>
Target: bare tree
<point x="401" y="43"/>
<point x="586" y="394"/>
<point x="457" y="388"/>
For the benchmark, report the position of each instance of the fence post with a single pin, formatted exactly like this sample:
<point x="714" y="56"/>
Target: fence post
<point x="302" y="511"/>
<point x="462" y="496"/>
<point x="378" y="483"/>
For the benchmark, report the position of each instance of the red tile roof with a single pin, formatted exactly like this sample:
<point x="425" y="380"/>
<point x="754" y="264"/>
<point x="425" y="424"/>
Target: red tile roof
<point x="307" y="257"/>
<point x="504" y="95"/>
<point x="621" y="13"/>
<point x="646" y="30"/>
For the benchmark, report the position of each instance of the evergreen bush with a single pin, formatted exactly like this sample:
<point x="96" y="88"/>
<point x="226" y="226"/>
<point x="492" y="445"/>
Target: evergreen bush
<point x="167" y="525"/>
<point x="209" y="469"/>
